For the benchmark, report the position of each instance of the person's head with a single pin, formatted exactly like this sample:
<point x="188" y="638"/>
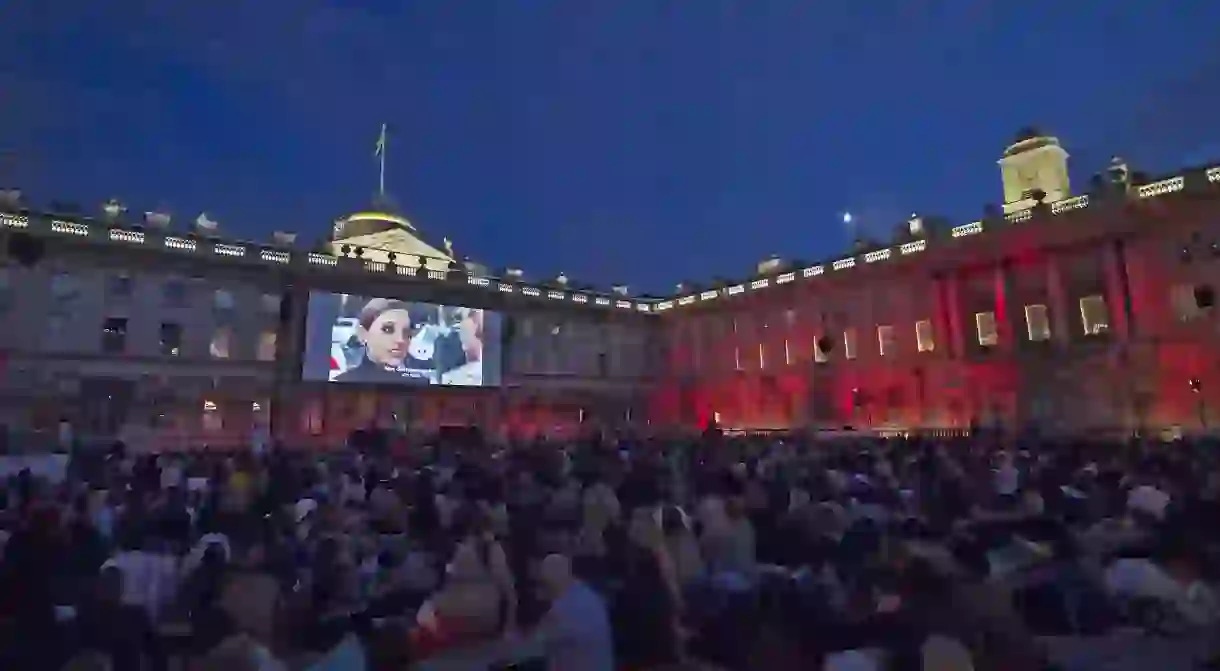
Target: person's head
<point x="385" y="331"/>
<point x="555" y="575"/>
<point x="470" y="330"/>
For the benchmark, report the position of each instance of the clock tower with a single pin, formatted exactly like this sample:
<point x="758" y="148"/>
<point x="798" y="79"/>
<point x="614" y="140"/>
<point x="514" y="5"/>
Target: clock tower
<point x="1034" y="162"/>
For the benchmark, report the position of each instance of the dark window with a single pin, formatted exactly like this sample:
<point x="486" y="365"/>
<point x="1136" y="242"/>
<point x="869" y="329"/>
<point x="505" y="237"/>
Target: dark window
<point x="175" y="293"/>
<point x="114" y="335"/>
<point x="120" y="286"/>
<point x="171" y="339"/>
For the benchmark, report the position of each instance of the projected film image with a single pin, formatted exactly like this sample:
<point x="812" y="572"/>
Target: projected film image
<point x="372" y="340"/>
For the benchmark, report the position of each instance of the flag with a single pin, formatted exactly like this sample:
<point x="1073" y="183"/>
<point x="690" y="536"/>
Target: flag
<point x="380" y="148"/>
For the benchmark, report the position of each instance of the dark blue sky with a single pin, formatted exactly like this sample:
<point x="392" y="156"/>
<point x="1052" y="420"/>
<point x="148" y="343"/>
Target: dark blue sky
<point x="642" y="141"/>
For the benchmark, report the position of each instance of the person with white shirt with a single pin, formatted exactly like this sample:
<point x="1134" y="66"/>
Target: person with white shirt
<point x="150" y="577"/>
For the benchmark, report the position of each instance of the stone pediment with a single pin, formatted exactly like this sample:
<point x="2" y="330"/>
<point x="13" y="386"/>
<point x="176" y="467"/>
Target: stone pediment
<point x="380" y="233"/>
<point x="407" y="249"/>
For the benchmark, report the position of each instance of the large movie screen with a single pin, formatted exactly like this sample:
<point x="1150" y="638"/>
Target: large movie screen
<point x="373" y="340"/>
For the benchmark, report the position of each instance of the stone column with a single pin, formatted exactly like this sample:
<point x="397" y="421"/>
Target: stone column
<point x="1060" y="323"/>
<point x="1005" y="307"/>
<point x="942" y="339"/>
<point x="957" y="332"/>
<point x="1116" y="291"/>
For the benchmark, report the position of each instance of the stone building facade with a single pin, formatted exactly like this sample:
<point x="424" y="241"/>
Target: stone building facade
<point x="1056" y="313"/>
<point x="1086" y="313"/>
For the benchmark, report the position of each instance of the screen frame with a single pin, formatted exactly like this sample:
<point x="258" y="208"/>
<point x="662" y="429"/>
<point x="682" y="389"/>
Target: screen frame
<point x="323" y="308"/>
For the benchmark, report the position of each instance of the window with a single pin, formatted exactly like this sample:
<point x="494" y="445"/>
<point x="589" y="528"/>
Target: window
<point x="790" y="317"/>
<point x="1094" y="315"/>
<point x="1037" y="323"/>
<point x="787" y="354"/>
<point x="114" y="335"/>
<point x="6" y="290"/>
<point x="173" y="293"/>
<point x="171" y="339"/>
<point x="819" y="356"/>
<point x="57" y="326"/>
<point x="222" y="341"/>
<point x="119" y="286"/>
<point x="65" y="290"/>
<point x="1191" y="302"/>
<point x="266" y="346"/>
<point x="762" y="357"/>
<point x="313" y="417"/>
<point x="222" y="300"/>
<point x="886" y="343"/>
<point x="849" y="344"/>
<point x="212" y="421"/>
<point x="989" y="335"/>
<point x="923" y="336"/>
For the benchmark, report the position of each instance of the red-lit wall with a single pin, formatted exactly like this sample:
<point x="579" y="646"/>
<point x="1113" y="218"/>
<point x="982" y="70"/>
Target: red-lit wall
<point x="1135" y="376"/>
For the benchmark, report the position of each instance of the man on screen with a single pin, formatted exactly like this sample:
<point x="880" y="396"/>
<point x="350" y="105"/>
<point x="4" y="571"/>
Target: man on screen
<point x="468" y="323"/>
<point x="385" y="328"/>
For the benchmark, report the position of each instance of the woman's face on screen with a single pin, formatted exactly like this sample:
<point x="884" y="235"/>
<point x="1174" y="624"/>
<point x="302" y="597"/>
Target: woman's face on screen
<point x="386" y="339"/>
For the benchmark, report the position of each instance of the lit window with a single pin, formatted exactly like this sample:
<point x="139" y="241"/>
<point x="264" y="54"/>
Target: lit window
<point x="312" y="417"/>
<point x="886" y="344"/>
<point x="762" y="357"/>
<point x="1094" y="315"/>
<point x="849" y="344"/>
<point x="1191" y="302"/>
<point x="171" y="339"/>
<point x="65" y="289"/>
<point x="222" y="341"/>
<point x="989" y="335"/>
<point x="1037" y="323"/>
<point x="212" y="419"/>
<point x="819" y="356"/>
<point x="787" y="354"/>
<point x="114" y="335"/>
<point x="923" y="336"/>
<point x="222" y="299"/>
<point x="266" y="346"/>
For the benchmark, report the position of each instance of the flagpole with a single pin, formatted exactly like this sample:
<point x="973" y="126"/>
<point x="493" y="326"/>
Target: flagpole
<point x="381" y="154"/>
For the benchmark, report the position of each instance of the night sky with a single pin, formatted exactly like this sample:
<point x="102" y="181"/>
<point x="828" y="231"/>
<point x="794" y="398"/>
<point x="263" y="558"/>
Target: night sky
<point x="637" y="141"/>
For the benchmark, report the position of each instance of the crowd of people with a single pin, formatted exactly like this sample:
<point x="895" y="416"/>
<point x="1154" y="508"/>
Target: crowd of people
<point x="777" y="551"/>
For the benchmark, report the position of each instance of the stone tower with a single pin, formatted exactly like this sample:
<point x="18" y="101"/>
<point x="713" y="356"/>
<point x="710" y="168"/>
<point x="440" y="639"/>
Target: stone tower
<point x="1034" y="162"/>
